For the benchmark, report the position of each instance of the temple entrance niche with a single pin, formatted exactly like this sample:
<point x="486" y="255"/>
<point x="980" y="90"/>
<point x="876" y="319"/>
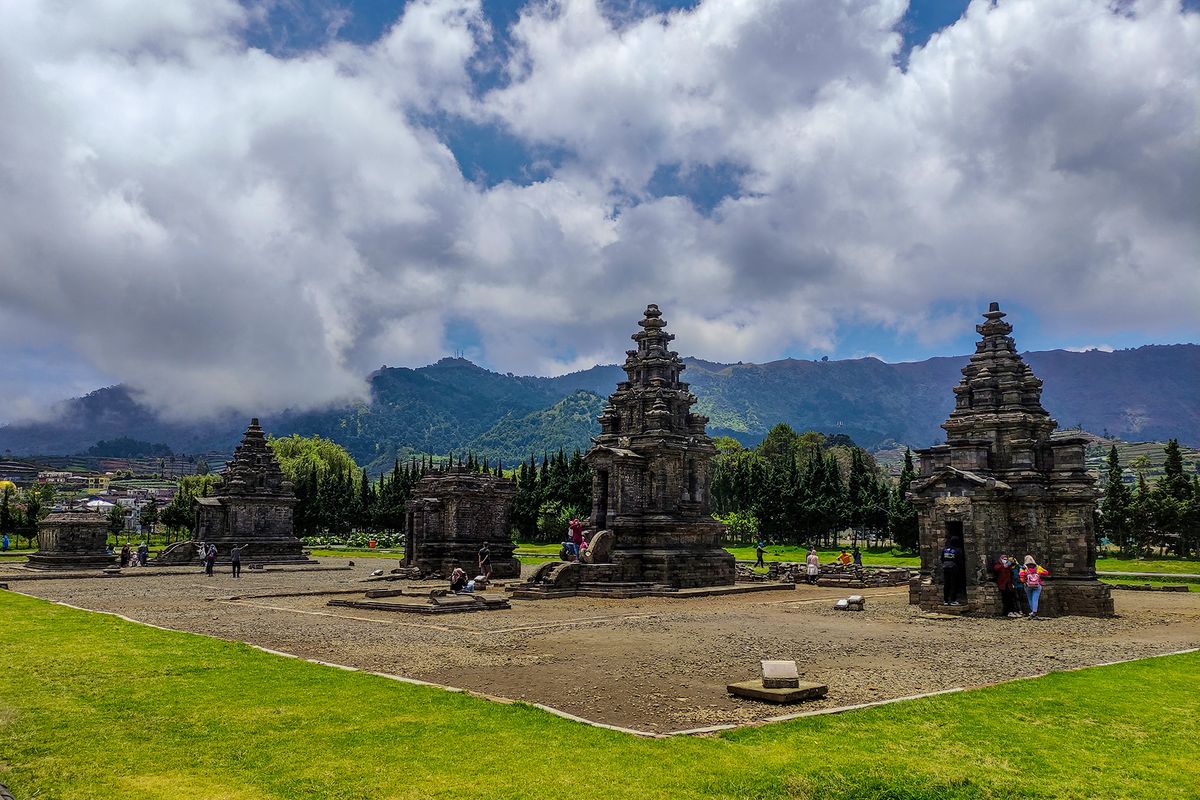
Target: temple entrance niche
<point x="1006" y="483"/>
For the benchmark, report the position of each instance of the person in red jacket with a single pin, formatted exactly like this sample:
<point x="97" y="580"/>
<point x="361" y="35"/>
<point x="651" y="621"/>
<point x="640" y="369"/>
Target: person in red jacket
<point x="1003" y="570"/>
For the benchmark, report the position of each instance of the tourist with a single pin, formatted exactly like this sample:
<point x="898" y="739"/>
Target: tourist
<point x="485" y="560"/>
<point x="569" y="550"/>
<point x="4" y="543"/>
<point x="458" y="580"/>
<point x="1032" y="578"/>
<point x="844" y="558"/>
<point x="759" y="548"/>
<point x="143" y="554"/>
<point x="1002" y="569"/>
<point x="236" y="555"/>
<point x="953" y="573"/>
<point x="210" y="559"/>
<point x="857" y="556"/>
<point x="813" y="565"/>
<point x="126" y="555"/>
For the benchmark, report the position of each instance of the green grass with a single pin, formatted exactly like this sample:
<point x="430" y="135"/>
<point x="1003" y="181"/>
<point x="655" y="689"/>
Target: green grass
<point x="1193" y="584"/>
<point x="1166" y="566"/>
<point x="95" y="707"/>
<point x="881" y="557"/>
<point x="325" y="552"/>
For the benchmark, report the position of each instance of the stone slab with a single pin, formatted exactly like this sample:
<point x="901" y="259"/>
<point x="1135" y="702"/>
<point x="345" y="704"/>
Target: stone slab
<point x="754" y="690"/>
<point x="467" y="604"/>
<point x="780" y="675"/>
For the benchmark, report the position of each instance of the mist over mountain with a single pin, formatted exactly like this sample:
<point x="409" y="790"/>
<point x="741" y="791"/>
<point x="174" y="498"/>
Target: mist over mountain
<point x="1147" y="393"/>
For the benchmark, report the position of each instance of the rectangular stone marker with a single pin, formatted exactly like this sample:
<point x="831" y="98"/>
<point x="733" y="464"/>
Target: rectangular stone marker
<point x="754" y="690"/>
<point x="780" y="675"/>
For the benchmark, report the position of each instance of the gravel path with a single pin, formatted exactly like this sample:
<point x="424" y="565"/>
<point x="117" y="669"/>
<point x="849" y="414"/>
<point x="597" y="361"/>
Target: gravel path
<point x="651" y="663"/>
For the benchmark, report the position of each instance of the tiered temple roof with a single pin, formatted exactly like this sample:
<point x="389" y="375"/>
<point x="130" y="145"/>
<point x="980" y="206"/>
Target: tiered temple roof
<point x="652" y="400"/>
<point x="254" y="470"/>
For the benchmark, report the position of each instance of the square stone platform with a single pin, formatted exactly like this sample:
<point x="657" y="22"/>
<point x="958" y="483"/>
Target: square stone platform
<point x="754" y="690"/>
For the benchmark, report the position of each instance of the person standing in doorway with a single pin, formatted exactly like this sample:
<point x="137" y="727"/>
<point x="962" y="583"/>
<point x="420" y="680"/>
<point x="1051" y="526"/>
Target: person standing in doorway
<point x="236" y="555"/>
<point x="485" y="561"/>
<point x="760" y="548"/>
<point x="952" y="572"/>
<point x="1033" y="577"/>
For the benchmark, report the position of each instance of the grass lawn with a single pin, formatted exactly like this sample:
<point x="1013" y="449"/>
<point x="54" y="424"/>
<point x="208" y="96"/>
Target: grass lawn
<point x="325" y="552"/>
<point x="876" y="558"/>
<point x="94" y="707"/>
<point x="1163" y="565"/>
<point x="1193" y="584"/>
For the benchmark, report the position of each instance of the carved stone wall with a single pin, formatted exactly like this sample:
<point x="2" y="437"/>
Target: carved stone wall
<point x="72" y="540"/>
<point x="451" y="514"/>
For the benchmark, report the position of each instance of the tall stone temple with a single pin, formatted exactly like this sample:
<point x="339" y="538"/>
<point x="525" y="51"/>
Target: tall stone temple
<point x="651" y="470"/>
<point x="1003" y="483"/>
<point x="252" y="505"/>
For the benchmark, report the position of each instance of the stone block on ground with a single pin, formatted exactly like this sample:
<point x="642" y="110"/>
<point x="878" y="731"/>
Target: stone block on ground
<point x="780" y="675"/>
<point x="754" y="690"/>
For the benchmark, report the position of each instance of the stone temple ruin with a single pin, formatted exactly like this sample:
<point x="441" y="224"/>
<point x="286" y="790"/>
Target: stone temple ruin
<point x="252" y="506"/>
<point x="451" y="514"/>
<point x="1002" y="483"/>
<point x="72" y="540"/>
<point x="650" y="501"/>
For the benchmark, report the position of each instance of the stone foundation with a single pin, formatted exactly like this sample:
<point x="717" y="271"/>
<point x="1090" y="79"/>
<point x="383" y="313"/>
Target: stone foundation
<point x="1059" y="598"/>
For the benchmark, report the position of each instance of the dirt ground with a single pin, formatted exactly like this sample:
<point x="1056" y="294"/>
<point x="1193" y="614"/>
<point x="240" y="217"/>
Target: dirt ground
<point x="655" y="664"/>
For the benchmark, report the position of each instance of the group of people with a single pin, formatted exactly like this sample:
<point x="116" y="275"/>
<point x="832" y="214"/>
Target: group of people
<point x="135" y="558"/>
<point x="812" y="562"/>
<point x="460" y="582"/>
<point x="1007" y="572"/>
<point x="1032" y="576"/>
<point x="208" y="557"/>
<point x="575" y="543"/>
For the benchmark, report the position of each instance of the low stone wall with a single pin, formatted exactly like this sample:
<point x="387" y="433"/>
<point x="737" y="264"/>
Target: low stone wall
<point x="831" y="575"/>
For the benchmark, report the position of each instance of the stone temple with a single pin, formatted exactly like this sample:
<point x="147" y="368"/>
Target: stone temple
<point x="451" y="514"/>
<point x="72" y="540"/>
<point x="650" y="493"/>
<point x="252" y="505"/>
<point x="1003" y="483"/>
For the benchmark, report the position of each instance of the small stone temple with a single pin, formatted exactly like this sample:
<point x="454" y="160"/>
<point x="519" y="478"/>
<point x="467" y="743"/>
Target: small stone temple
<point x="451" y="514"/>
<point x="72" y="540"/>
<point x="1003" y="483"/>
<point x="650" y="463"/>
<point x="252" y="505"/>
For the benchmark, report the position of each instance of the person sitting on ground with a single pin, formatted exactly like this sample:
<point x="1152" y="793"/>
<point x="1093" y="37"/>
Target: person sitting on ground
<point x="568" y="551"/>
<point x="1003" y="570"/>
<point x="1033" y="577"/>
<point x="844" y="558"/>
<point x="813" y="565"/>
<point x="458" y="580"/>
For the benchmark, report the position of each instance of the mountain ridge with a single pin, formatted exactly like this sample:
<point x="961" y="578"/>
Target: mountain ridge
<point x="1147" y="392"/>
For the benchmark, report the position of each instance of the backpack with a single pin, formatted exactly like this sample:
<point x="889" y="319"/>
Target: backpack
<point x="1033" y="578"/>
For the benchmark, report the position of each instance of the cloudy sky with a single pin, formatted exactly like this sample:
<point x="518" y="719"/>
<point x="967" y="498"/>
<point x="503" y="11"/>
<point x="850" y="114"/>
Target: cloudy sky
<point x="255" y="204"/>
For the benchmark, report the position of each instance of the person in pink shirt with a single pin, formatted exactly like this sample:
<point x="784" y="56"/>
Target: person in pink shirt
<point x="1033" y="577"/>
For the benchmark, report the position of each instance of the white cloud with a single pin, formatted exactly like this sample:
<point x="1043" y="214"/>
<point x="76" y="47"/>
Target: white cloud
<point x="218" y="226"/>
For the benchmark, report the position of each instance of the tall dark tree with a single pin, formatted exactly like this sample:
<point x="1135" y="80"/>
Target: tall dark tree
<point x="902" y="515"/>
<point x="1114" y="506"/>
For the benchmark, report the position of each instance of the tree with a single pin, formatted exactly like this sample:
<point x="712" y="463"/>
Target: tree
<point x="902" y="514"/>
<point x="8" y="516"/>
<point x="1114" y="506"/>
<point x="116" y="519"/>
<point x="148" y="516"/>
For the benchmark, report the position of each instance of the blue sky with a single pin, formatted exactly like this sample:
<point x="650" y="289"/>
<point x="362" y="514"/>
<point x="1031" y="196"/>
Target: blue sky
<point x="252" y="204"/>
